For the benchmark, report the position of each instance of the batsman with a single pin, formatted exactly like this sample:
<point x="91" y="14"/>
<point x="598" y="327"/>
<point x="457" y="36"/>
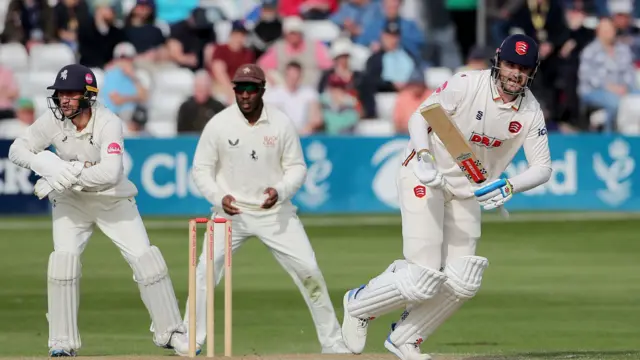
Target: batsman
<point x="441" y="202"/>
<point x="85" y="183"/>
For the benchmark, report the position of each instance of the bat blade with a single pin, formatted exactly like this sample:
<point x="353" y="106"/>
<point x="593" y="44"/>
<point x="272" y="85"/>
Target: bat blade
<point x="455" y="143"/>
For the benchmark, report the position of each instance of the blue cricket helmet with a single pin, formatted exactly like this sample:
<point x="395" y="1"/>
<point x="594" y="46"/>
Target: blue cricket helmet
<point x="73" y="77"/>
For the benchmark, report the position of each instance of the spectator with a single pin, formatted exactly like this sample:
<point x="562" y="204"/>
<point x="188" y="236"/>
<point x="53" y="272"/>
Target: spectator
<point x="354" y="16"/>
<point x="311" y="54"/>
<point x="189" y="38"/>
<point x="570" y="119"/>
<point x="387" y="70"/>
<point x="28" y="22"/>
<point x="267" y="28"/>
<point x="136" y="127"/>
<point x="308" y="9"/>
<point x="227" y="58"/>
<point x="499" y="13"/>
<point x="338" y="109"/>
<point x="411" y="36"/>
<point x="295" y="99"/>
<point x="141" y="32"/>
<point x="477" y="60"/>
<point x="341" y="54"/>
<point x="122" y="92"/>
<point x="196" y="111"/>
<point x="408" y="100"/>
<point x="25" y="116"/>
<point x="67" y="14"/>
<point x="463" y="14"/>
<point x="8" y="92"/>
<point x="622" y="15"/>
<point x="606" y="72"/>
<point x="98" y="36"/>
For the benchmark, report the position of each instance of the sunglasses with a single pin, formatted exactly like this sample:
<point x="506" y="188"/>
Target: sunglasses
<point x="249" y="88"/>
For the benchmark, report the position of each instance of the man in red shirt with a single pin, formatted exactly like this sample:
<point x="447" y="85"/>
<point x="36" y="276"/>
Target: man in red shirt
<point x="227" y="58"/>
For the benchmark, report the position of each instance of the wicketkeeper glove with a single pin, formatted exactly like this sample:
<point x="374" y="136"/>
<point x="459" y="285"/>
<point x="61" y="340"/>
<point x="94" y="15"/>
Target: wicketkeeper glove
<point x="60" y="174"/>
<point x="494" y="194"/>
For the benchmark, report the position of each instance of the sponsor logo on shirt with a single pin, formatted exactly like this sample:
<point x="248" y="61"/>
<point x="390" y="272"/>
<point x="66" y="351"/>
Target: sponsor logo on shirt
<point x="484" y="140"/>
<point x="114" y="149"/>
<point x="270" y="141"/>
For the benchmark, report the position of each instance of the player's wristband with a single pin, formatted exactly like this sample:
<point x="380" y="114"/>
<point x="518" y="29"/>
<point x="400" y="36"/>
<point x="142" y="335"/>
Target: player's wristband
<point x="424" y="151"/>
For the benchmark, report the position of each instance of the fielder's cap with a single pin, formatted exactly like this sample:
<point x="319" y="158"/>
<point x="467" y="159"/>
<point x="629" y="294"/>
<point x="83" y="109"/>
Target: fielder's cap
<point x="249" y="73"/>
<point x="519" y="49"/>
<point x="124" y="50"/>
<point x="292" y="24"/>
<point x="75" y="77"/>
<point x="238" y="26"/>
<point x="392" y="27"/>
<point x="270" y="3"/>
<point x="417" y="77"/>
<point x="25" y="104"/>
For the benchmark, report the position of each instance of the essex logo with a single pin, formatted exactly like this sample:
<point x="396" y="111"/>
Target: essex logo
<point x="420" y="191"/>
<point x="484" y="140"/>
<point x="514" y="127"/>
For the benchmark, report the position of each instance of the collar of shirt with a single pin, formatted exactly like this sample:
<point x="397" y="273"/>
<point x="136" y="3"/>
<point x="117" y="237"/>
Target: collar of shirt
<point x="515" y="104"/>
<point x="70" y="126"/>
<point x="263" y="115"/>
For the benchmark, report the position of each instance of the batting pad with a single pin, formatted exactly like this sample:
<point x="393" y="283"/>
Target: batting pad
<point x="151" y="273"/>
<point x="464" y="279"/>
<point x="63" y="287"/>
<point x="400" y="284"/>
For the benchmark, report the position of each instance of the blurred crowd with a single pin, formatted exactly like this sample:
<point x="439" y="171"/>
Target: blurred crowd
<point x="335" y="67"/>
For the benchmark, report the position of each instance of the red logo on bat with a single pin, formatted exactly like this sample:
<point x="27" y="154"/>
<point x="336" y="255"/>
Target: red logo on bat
<point x="515" y="127"/>
<point x="114" y="148"/>
<point x="420" y="191"/>
<point x="522" y="48"/>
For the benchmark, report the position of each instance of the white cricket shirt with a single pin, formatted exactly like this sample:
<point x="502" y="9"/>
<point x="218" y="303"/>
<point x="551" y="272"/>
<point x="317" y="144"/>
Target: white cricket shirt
<point x="495" y="130"/>
<point x="100" y="146"/>
<point x="243" y="160"/>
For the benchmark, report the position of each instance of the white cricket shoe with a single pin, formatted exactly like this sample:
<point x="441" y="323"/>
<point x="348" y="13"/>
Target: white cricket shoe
<point x="354" y="330"/>
<point x="180" y="344"/>
<point x="410" y="351"/>
<point x="337" y="348"/>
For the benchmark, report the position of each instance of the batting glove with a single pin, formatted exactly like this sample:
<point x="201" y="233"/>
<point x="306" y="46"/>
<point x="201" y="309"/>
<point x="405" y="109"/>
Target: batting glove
<point x="494" y="194"/>
<point x="425" y="170"/>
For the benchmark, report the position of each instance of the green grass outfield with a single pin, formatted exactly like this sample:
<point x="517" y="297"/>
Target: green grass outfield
<point x="559" y="286"/>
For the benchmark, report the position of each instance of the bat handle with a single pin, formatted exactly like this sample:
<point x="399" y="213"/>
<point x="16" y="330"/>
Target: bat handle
<point x="504" y="212"/>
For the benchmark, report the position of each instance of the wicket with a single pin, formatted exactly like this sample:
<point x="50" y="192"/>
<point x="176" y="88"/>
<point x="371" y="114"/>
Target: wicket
<point x="210" y="279"/>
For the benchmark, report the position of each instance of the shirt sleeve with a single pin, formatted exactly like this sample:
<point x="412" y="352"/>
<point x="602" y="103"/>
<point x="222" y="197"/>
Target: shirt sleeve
<point x="536" y="150"/>
<point x="205" y="162"/>
<point x="37" y="138"/>
<point x="293" y="165"/>
<point x="449" y="95"/>
<point x="110" y="169"/>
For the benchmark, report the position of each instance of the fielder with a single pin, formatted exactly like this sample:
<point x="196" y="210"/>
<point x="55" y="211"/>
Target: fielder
<point x="249" y="164"/>
<point x="498" y="114"/>
<point x="85" y="184"/>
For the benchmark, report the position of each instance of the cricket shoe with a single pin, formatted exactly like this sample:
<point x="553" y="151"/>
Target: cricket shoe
<point x="180" y="344"/>
<point x="408" y="351"/>
<point x="354" y="329"/>
<point x="337" y="348"/>
<point x="61" y="353"/>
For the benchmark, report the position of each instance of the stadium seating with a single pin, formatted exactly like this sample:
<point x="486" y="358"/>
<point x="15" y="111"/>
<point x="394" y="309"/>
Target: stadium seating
<point x="14" y="56"/>
<point x="436" y="76"/>
<point x="50" y="57"/>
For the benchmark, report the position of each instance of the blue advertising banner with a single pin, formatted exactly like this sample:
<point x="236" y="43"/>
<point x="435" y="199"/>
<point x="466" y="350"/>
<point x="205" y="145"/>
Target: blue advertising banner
<point x="357" y="175"/>
<point x="16" y="187"/>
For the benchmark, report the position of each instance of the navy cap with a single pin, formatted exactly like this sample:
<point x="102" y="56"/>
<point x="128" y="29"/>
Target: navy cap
<point x="238" y="26"/>
<point x="270" y="3"/>
<point x="519" y="49"/>
<point x="392" y="27"/>
<point x="75" y="77"/>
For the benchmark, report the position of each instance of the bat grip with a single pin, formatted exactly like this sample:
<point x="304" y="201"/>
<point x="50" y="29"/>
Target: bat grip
<point x="491" y="187"/>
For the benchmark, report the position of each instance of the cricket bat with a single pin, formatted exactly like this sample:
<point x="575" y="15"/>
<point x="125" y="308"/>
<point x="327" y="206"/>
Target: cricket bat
<point x="454" y="142"/>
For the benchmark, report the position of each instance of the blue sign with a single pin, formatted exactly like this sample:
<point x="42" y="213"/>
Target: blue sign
<point x="16" y="187"/>
<point x="358" y="175"/>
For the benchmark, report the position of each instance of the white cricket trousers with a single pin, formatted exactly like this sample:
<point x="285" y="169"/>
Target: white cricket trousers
<point x="74" y="215"/>
<point x="436" y="227"/>
<point x="284" y="234"/>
